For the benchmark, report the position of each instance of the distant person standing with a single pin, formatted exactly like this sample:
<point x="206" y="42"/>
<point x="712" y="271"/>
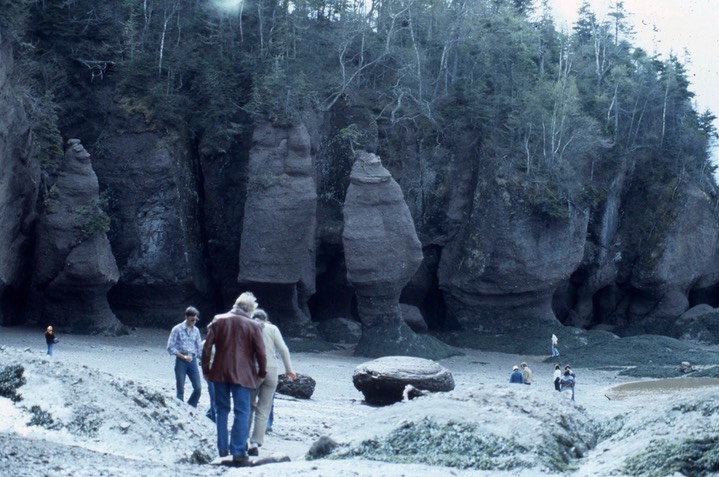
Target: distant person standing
<point x="526" y="374"/>
<point x="50" y="340"/>
<point x="238" y="366"/>
<point x="555" y="342"/>
<point x="557" y="376"/>
<point x="262" y="398"/>
<point x="516" y="376"/>
<point x="568" y="380"/>
<point x="185" y="344"/>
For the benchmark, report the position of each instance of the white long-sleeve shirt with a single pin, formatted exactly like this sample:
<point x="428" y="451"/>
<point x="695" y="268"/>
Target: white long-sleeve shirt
<point x="274" y="343"/>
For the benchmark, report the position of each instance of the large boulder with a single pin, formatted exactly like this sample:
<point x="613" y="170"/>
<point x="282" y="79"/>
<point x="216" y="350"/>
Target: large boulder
<point x="700" y="323"/>
<point x="277" y="253"/>
<point x="391" y="379"/>
<point x="74" y="265"/>
<point x="19" y="184"/>
<point x="302" y="387"/>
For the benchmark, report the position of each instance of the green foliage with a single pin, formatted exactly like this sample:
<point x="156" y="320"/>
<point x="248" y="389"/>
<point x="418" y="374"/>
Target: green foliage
<point x="92" y="218"/>
<point x="11" y="378"/>
<point x="611" y="427"/>
<point x="436" y="75"/>
<point x="14" y="18"/>
<point x="280" y="96"/>
<point x="453" y="445"/>
<point x="47" y="140"/>
<point x="43" y="418"/>
<point x="86" y="422"/>
<point x="696" y="455"/>
<point x="548" y="201"/>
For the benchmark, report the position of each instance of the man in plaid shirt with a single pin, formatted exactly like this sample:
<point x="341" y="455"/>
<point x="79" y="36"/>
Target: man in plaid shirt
<point x="186" y="345"/>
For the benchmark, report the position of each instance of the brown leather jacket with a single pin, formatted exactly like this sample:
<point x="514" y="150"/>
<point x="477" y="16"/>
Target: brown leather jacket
<point x="239" y="350"/>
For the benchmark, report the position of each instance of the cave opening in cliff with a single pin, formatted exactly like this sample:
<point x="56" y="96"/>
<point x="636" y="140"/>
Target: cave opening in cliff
<point x="705" y="295"/>
<point x="333" y="297"/>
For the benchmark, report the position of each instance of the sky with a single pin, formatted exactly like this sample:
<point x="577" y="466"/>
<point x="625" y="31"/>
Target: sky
<point x="688" y="28"/>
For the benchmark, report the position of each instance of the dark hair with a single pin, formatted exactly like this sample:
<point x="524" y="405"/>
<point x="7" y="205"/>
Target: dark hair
<point x="191" y="311"/>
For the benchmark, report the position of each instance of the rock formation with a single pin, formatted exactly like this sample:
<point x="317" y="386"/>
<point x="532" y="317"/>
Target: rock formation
<point x="503" y="267"/>
<point x="19" y="185"/>
<point x="387" y="380"/>
<point x="681" y="257"/>
<point x="301" y="388"/>
<point x="277" y="253"/>
<point x="699" y="323"/>
<point x="382" y="253"/>
<point x="156" y="234"/>
<point x="202" y="198"/>
<point x="74" y="265"/>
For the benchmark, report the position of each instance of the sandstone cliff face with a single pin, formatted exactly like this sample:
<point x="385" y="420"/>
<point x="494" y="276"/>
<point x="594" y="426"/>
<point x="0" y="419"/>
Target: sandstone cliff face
<point x="664" y="275"/>
<point x="19" y="185"/>
<point x="277" y="253"/>
<point x="74" y="265"/>
<point x="195" y="221"/>
<point x="504" y="265"/>
<point x="156" y="234"/>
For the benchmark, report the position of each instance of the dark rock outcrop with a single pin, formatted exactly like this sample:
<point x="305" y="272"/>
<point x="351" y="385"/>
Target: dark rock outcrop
<point x="663" y="274"/>
<point x="302" y="388"/>
<point x="700" y="323"/>
<point x="156" y="232"/>
<point x="386" y="380"/>
<point x="340" y="330"/>
<point x="74" y="265"/>
<point x="277" y="253"/>
<point x="413" y="318"/>
<point x="503" y="267"/>
<point x="19" y="185"/>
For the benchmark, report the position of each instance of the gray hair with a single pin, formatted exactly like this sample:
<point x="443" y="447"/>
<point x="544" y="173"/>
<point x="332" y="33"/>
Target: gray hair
<point x="261" y="315"/>
<point x="246" y="302"/>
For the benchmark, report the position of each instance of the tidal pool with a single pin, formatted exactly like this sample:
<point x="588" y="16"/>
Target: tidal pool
<point x="659" y="386"/>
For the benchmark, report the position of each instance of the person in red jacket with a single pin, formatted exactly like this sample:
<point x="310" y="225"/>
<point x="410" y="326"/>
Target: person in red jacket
<point x="238" y="366"/>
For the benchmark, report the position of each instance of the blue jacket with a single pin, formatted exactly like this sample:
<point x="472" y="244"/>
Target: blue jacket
<point x="516" y="377"/>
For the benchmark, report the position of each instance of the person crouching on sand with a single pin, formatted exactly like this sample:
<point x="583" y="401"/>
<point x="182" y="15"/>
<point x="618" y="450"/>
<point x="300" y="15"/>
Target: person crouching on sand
<point x="516" y="376"/>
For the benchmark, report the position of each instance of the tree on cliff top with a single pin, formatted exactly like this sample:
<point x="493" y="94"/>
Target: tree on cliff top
<point x="537" y="101"/>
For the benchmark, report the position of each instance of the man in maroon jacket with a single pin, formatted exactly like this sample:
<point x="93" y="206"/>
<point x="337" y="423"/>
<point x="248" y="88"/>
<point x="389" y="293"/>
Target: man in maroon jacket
<point x="238" y="366"/>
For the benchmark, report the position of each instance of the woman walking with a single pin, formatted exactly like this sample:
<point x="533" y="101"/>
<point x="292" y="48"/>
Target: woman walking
<point x="264" y="394"/>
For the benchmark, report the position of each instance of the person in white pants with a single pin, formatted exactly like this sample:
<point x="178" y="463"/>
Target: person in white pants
<point x="262" y="397"/>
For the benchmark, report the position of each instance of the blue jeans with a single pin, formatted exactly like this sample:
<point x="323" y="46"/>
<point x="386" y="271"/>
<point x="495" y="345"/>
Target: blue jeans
<point x="212" y="411"/>
<point x="182" y="370"/>
<point x="241" y="423"/>
<point x="50" y="346"/>
<point x="555" y="351"/>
